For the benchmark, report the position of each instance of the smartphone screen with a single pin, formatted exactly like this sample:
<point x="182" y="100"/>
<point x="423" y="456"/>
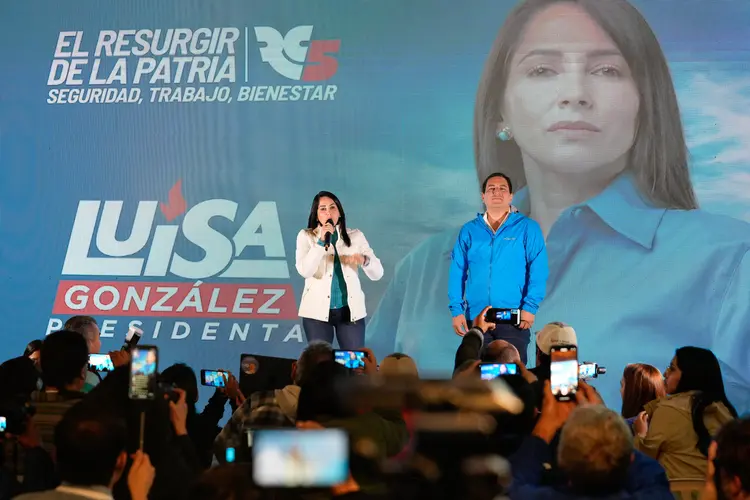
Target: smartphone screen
<point x="587" y="370"/>
<point x="564" y="372"/>
<point x="101" y="363"/>
<point x="503" y="316"/>
<point x="143" y="371"/>
<point x="350" y="359"/>
<point x="493" y="370"/>
<point x="300" y="458"/>
<point x="3" y="424"/>
<point x="229" y="455"/>
<point x="212" y="378"/>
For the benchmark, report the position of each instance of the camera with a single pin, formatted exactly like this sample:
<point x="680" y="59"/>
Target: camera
<point x="14" y="413"/>
<point x="587" y="370"/>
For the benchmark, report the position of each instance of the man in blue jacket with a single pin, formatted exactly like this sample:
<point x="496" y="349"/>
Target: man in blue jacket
<point x="499" y="260"/>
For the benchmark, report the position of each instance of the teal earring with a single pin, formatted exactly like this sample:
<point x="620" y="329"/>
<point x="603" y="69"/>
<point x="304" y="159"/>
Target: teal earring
<point x="505" y="134"/>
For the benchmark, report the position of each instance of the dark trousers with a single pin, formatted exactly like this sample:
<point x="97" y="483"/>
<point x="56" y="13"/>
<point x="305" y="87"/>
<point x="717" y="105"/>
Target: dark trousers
<point x="351" y="336"/>
<point x="513" y="335"/>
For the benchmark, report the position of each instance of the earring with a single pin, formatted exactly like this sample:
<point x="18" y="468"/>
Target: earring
<point x="505" y="134"/>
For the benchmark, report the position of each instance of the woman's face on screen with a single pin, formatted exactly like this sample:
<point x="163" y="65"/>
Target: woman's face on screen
<point x="570" y="99"/>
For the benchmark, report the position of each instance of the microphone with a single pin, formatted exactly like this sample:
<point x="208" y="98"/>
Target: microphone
<point x="328" y="235"/>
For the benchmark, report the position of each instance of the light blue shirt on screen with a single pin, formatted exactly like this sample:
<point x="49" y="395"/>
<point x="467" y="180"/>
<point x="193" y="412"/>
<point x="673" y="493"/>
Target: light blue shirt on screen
<point x="506" y="268"/>
<point x="634" y="280"/>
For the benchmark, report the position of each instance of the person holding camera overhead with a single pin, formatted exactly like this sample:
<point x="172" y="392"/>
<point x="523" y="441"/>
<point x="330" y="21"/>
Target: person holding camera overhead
<point x="329" y="256"/>
<point x="500" y="261"/>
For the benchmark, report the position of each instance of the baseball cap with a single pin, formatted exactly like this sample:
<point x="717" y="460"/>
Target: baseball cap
<point x="555" y="333"/>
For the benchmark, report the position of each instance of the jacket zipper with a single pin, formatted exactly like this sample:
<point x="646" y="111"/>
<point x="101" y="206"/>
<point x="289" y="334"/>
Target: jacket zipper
<point x="493" y="235"/>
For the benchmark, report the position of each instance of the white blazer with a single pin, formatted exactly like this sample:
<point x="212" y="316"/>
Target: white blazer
<point x="315" y="264"/>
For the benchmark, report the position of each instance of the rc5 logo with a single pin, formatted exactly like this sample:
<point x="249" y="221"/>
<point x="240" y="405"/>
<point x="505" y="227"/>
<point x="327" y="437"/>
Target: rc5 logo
<point x="290" y="58"/>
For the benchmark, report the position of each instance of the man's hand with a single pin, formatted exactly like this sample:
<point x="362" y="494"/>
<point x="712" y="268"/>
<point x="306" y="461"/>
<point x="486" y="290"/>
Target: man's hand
<point x="471" y="371"/>
<point x="481" y="323"/>
<point x="178" y="414"/>
<point x="525" y="373"/>
<point x="371" y="362"/>
<point x="141" y="476"/>
<point x="587" y="395"/>
<point x="554" y="415"/>
<point x="460" y="326"/>
<point x="119" y="358"/>
<point x="527" y="320"/>
<point x="232" y="388"/>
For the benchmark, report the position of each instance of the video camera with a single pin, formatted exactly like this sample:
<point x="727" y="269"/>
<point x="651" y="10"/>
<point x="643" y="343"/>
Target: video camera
<point x="588" y="370"/>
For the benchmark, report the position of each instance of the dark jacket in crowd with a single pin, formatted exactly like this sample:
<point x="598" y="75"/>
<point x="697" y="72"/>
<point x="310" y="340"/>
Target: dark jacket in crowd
<point x="646" y="478"/>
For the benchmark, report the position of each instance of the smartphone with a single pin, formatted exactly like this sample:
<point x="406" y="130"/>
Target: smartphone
<point x="587" y="371"/>
<point x="493" y="370"/>
<point x="350" y="359"/>
<point x="503" y="316"/>
<point x="564" y="372"/>
<point x="229" y="455"/>
<point x="144" y="363"/>
<point x="300" y="458"/>
<point x="213" y="378"/>
<point x="3" y="424"/>
<point x="100" y="363"/>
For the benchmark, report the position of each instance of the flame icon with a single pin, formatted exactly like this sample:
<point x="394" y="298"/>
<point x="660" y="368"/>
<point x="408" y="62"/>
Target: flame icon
<point x="176" y="204"/>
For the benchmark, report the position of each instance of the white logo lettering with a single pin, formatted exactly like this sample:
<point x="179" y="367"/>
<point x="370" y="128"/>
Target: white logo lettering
<point x="220" y="253"/>
<point x="285" y="54"/>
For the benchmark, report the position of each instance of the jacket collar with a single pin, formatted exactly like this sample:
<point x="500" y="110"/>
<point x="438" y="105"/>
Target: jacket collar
<point x="621" y="206"/>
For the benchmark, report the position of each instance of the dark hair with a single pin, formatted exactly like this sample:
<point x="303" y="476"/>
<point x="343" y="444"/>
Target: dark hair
<point x="643" y="383"/>
<point x="733" y="453"/>
<point x="182" y="376"/>
<point x="701" y="373"/>
<point x="659" y="155"/>
<point x="79" y="323"/>
<point x="18" y="378"/>
<point x="312" y="221"/>
<point x="88" y="442"/>
<point x="63" y="357"/>
<point x="32" y="347"/>
<point x="318" y="395"/>
<point x="497" y="174"/>
<point x="316" y="352"/>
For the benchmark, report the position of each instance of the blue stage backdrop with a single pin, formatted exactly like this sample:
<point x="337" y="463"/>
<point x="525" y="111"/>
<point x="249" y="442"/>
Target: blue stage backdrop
<point x="158" y="159"/>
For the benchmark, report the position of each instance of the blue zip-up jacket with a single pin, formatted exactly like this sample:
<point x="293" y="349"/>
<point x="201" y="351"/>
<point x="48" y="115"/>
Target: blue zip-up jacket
<point x="506" y="269"/>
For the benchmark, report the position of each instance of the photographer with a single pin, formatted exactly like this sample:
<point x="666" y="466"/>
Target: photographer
<point x="203" y="427"/>
<point x="165" y="437"/>
<point x="595" y="453"/>
<point x="472" y="350"/>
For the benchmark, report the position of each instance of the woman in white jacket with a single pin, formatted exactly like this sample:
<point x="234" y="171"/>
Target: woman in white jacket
<point x="333" y="299"/>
